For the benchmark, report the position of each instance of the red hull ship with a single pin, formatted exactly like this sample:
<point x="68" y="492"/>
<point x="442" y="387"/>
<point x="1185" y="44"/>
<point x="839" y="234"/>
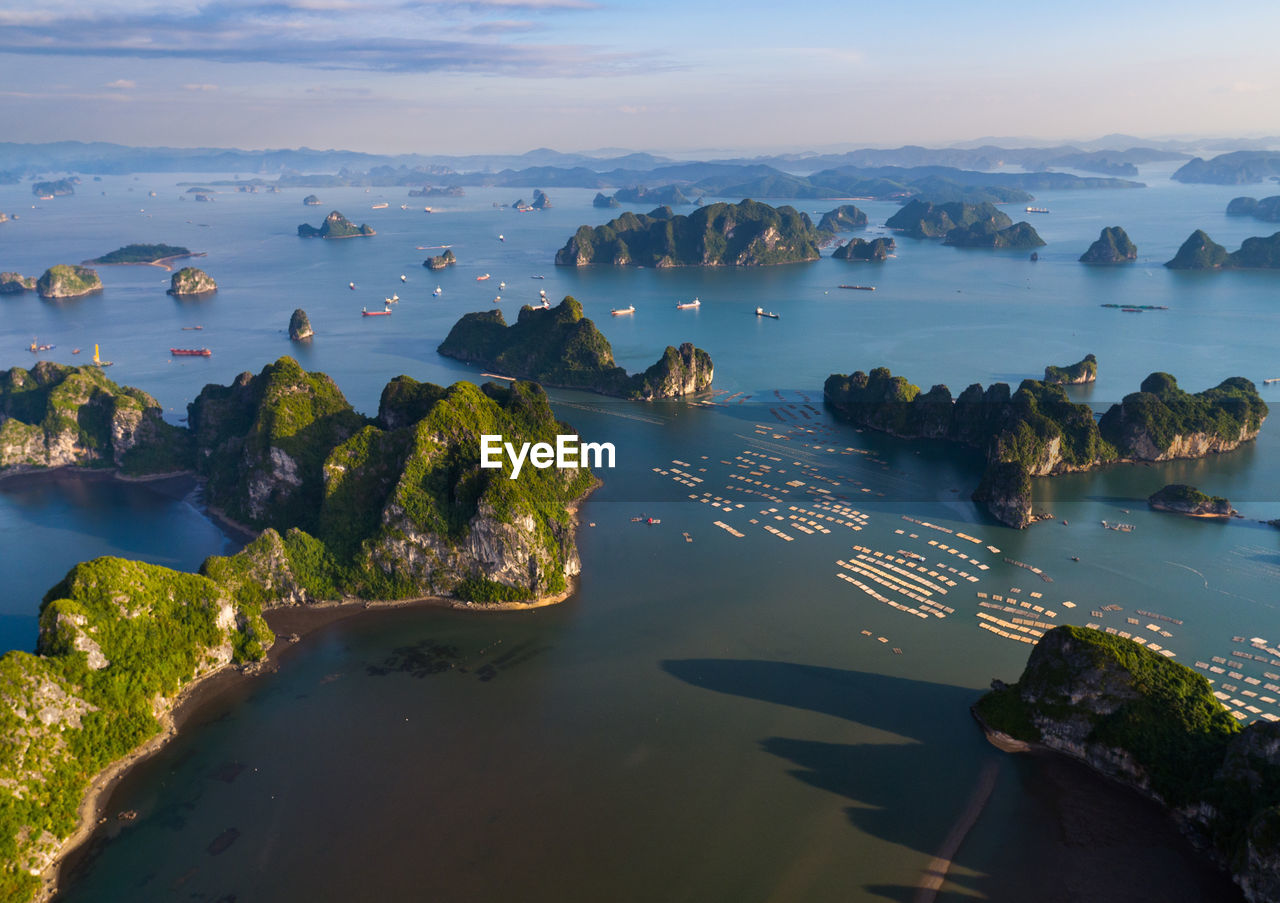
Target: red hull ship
<point x="190" y="352"/>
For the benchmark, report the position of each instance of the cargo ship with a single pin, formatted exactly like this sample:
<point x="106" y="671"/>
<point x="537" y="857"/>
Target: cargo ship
<point x="190" y="352"/>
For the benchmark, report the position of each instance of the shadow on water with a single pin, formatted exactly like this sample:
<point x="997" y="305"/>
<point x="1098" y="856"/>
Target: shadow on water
<point x="1052" y="831"/>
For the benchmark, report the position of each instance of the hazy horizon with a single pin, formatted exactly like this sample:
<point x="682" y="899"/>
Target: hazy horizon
<point x="505" y="76"/>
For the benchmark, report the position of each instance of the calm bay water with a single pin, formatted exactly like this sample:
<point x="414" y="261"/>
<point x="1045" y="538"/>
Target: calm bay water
<point x="702" y="720"/>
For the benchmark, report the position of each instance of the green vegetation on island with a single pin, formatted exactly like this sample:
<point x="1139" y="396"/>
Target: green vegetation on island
<point x="561" y="347"/>
<point x="1183" y="499"/>
<point x="68" y="281"/>
<point x="844" y="218"/>
<point x="56" y="188"/>
<point x="1267" y="209"/>
<point x="861" y="249"/>
<point x="402" y="510"/>
<point x="54" y="415"/>
<point x="190" y="281"/>
<point x="925" y="219"/>
<point x="984" y="234"/>
<point x="1084" y="371"/>
<point x="744" y="234"/>
<point x="1039" y="431"/>
<point x="335" y="225"/>
<point x="141" y="254"/>
<point x="440" y="261"/>
<point x="1113" y="246"/>
<point x="300" y="326"/>
<point x="1200" y="252"/>
<point x="1154" y="725"/>
<point x="16" y="283"/>
<point x="604" y="201"/>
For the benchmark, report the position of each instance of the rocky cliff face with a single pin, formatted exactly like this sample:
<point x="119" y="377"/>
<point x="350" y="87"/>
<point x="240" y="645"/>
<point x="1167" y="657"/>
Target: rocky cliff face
<point x="335" y="225"/>
<point x="16" y="283"/>
<point x="844" y="218"/>
<point x="56" y="416"/>
<point x="191" y="281"/>
<point x="683" y="371"/>
<point x="1113" y="246"/>
<point x="68" y="281"/>
<point x="1044" y="433"/>
<point x="561" y="347"/>
<point x="1079" y="373"/>
<point x="300" y="326"/>
<point x="861" y="249"/>
<point x="1182" y="499"/>
<point x="744" y="234"/>
<point x="1154" y="725"/>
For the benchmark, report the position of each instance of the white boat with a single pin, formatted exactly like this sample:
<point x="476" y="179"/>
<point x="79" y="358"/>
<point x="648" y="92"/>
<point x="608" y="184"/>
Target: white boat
<point x="438" y="292"/>
<point x="402" y="278"/>
<point x="502" y="238"/>
<point x="689" y="305"/>
<point x="497" y="299"/>
<point x="623" y="311"/>
<point x="761" y="312"/>
<point x="502" y="285"/>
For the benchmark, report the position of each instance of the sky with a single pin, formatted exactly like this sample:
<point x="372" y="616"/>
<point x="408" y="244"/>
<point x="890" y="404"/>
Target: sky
<point x="505" y="76"/>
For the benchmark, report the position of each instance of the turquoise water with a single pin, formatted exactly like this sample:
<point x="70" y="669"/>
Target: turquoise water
<point x="705" y="719"/>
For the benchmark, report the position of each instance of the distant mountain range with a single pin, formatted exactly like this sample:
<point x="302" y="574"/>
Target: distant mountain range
<point x="1002" y="174"/>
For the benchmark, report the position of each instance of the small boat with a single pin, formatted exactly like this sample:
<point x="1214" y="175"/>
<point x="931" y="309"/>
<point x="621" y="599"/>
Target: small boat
<point x="75" y="350"/>
<point x="761" y="312"/>
<point x="482" y="278"/>
<point x="689" y="305"/>
<point x="502" y="238"/>
<point x="502" y="285"/>
<point x="403" y="278"/>
<point x="1037" y="209"/>
<point x="1274" y="379"/>
<point x="192" y="327"/>
<point x="537" y="277"/>
<point x="438" y="292"/>
<point x="365" y="312"/>
<point x="653" y="520"/>
<point x="190" y="352"/>
<point x="351" y="285"/>
<point x="404" y="206"/>
<point x="427" y="210"/>
<point x="623" y="311"/>
<point x="98" y="361"/>
<point x="497" y="299"/>
<point x="859" y="288"/>
<point x="383" y="206"/>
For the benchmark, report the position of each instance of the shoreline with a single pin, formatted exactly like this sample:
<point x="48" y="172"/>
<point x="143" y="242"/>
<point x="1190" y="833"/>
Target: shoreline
<point x="163" y="263"/>
<point x="290" y="624"/>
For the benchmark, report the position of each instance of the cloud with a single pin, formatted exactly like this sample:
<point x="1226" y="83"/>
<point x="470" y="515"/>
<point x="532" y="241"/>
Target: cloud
<point x="397" y="36"/>
<point x="121" y="83"/>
